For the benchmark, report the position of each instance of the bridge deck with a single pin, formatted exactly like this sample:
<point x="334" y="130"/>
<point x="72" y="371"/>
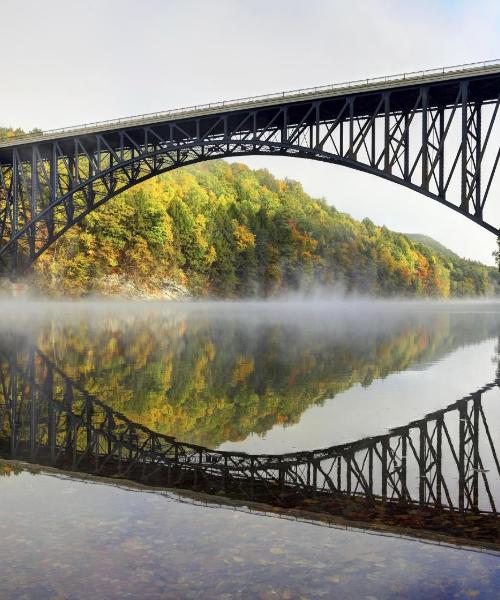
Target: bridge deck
<point x="361" y="86"/>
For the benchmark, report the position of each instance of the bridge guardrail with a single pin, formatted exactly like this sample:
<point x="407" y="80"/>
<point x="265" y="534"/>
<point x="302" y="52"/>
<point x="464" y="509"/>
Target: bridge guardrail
<point x="235" y="103"/>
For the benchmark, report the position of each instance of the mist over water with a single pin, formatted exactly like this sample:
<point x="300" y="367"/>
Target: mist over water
<point x="274" y="376"/>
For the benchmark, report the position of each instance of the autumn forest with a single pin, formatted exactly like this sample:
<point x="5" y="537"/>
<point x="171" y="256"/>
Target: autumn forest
<point x="224" y="230"/>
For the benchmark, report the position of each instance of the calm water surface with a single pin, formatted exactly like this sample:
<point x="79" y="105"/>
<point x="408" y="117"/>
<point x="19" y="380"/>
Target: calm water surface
<point x="67" y="539"/>
<point x="267" y="377"/>
<point x="254" y="377"/>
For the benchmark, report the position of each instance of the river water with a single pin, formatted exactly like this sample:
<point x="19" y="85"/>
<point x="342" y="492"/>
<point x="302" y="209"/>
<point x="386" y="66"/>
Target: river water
<point x="268" y="377"/>
<point x="273" y="378"/>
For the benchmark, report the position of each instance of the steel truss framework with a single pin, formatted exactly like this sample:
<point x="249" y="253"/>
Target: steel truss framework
<point x="441" y="139"/>
<point x="447" y="459"/>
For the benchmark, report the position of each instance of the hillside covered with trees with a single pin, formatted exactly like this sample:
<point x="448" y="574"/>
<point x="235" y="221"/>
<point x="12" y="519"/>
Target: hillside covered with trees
<point x="224" y="230"/>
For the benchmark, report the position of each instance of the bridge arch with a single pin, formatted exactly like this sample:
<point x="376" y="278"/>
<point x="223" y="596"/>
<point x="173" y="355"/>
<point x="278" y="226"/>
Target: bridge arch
<point x="273" y="149"/>
<point x="403" y="134"/>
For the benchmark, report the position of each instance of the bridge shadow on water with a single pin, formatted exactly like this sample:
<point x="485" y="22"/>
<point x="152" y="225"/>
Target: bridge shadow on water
<point x="438" y="474"/>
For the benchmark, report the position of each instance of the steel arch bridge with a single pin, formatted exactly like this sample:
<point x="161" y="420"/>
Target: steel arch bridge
<point x="435" y="132"/>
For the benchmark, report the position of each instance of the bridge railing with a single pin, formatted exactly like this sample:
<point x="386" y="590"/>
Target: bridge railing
<point x="262" y="98"/>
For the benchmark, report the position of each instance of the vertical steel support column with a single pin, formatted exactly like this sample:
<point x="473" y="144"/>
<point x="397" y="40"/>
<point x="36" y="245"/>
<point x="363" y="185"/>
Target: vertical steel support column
<point x="422" y="463"/>
<point x="384" y="469"/>
<point x="476" y="408"/>
<point x="441" y="193"/>
<point x="254" y="126"/>
<point x="406" y="144"/>
<point x="439" y="458"/>
<point x="464" y="204"/>
<point x="199" y="138"/>
<point x="34" y="178"/>
<point x="112" y="181"/>
<point x="281" y="479"/>
<point x="425" y="138"/>
<point x="477" y="161"/>
<point x="373" y="145"/>
<point x="350" y="152"/>
<point x="15" y="212"/>
<point x="316" y="124"/>
<point x="145" y="150"/>
<point x="403" y="470"/>
<point x="387" y="131"/>
<point x="284" y="128"/>
<point x="54" y="180"/>
<point x="76" y="179"/>
<point x="33" y="198"/>
<point x="121" y="150"/>
<point x="69" y="203"/>
<point x="90" y="187"/>
<point x="370" y="470"/>
<point x="98" y="152"/>
<point x="133" y="167"/>
<point x="461" y="454"/>
<point x="348" y="464"/>
<point x="226" y="134"/>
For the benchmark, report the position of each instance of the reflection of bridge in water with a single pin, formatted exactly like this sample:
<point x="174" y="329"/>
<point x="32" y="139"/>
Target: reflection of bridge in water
<point x="447" y="459"/>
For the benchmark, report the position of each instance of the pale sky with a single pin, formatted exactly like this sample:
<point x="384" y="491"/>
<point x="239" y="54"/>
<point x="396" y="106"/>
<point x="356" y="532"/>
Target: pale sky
<point x="66" y="63"/>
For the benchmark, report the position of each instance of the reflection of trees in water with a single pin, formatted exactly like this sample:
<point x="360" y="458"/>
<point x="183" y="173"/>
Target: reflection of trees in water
<point x="208" y="381"/>
<point x="6" y="470"/>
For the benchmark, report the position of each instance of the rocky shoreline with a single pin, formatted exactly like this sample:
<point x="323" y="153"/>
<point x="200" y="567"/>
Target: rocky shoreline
<point x="120" y="287"/>
<point x="111" y="286"/>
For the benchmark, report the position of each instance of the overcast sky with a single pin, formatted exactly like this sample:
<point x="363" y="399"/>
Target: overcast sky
<point x="65" y="63"/>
